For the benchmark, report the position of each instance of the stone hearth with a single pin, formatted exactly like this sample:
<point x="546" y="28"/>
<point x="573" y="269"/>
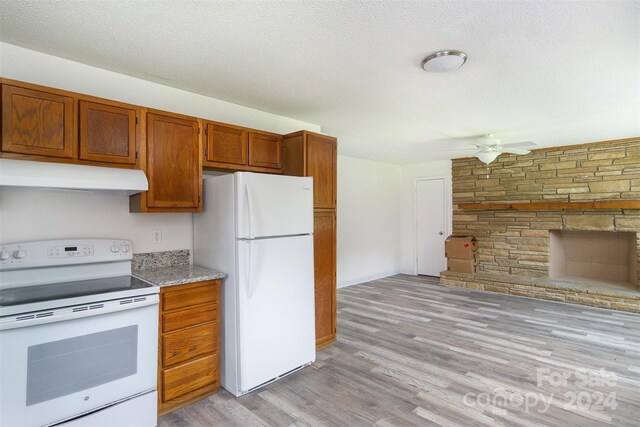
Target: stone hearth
<point x="514" y="245"/>
<point x="573" y="292"/>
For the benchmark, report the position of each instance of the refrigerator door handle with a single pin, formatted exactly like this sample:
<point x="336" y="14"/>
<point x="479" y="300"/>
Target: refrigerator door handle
<point x="249" y="209"/>
<point x="250" y="270"/>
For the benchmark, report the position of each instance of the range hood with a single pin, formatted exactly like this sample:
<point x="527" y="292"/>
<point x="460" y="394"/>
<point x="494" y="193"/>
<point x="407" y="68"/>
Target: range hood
<point x="25" y="173"/>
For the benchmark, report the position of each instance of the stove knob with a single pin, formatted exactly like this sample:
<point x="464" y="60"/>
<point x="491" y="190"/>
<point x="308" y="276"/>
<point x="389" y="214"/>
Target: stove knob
<point x="114" y="248"/>
<point x="4" y="255"/>
<point x="19" y="254"/>
<point x="125" y="248"/>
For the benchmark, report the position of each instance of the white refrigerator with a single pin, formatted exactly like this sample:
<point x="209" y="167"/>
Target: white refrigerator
<point x="258" y="229"/>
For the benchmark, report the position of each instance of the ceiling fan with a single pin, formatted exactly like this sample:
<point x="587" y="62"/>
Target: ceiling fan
<point x="490" y="148"/>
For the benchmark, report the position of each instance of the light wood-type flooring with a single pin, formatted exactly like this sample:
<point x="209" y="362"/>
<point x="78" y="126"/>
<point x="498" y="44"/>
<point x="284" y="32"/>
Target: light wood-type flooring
<point x="413" y="352"/>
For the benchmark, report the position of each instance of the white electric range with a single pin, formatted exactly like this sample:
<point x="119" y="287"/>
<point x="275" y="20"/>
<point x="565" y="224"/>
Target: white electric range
<point x="78" y="335"/>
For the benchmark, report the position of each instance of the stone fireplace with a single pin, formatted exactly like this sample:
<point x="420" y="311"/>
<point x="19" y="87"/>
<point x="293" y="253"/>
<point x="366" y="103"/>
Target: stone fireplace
<point x="524" y="210"/>
<point x="597" y="258"/>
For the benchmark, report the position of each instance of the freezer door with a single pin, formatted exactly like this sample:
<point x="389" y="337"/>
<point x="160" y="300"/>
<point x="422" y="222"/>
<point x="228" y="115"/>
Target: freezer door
<point x="273" y="205"/>
<point x="276" y="330"/>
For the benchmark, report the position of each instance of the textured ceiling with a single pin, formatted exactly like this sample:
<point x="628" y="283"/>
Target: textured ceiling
<point x="555" y="72"/>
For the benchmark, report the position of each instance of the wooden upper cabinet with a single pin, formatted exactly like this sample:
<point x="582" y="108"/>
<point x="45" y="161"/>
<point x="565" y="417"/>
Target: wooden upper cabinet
<point x="38" y="122"/>
<point x="324" y="252"/>
<point x="321" y="165"/>
<point x="226" y="144"/>
<point x="236" y="148"/>
<point x="310" y="154"/>
<point x="173" y="162"/>
<point x="107" y="133"/>
<point x="265" y="150"/>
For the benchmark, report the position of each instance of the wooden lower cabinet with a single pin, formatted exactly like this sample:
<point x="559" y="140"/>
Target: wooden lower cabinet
<point x="189" y="344"/>
<point x="324" y="249"/>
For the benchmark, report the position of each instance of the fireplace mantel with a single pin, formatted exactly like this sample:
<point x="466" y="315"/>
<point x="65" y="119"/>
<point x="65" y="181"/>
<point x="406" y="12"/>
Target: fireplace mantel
<point x="552" y="206"/>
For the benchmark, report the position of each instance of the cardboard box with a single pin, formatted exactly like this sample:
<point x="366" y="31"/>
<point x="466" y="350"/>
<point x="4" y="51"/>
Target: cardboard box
<point x="461" y="265"/>
<point x="460" y="247"/>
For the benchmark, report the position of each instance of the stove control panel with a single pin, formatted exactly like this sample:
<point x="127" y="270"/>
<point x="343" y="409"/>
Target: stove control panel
<point x="70" y="251"/>
<point x="46" y="253"/>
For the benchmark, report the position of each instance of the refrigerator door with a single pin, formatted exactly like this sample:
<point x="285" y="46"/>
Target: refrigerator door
<point x="276" y="331"/>
<point x="273" y="205"/>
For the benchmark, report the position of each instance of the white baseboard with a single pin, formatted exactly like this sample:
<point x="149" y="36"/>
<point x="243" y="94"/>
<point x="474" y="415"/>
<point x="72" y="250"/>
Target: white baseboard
<point x="350" y="282"/>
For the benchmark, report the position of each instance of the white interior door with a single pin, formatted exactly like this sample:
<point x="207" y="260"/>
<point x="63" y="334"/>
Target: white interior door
<point x="276" y="307"/>
<point x="431" y="226"/>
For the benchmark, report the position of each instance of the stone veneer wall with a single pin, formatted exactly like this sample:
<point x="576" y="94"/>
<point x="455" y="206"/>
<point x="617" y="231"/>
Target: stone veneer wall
<point x="517" y="242"/>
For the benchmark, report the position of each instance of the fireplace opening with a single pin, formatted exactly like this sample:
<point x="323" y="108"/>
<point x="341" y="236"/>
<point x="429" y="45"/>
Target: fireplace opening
<point x="597" y="257"/>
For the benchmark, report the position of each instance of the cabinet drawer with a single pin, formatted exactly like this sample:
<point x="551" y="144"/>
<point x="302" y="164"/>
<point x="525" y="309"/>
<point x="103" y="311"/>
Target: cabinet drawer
<point x="189" y="343"/>
<point x="188" y="295"/>
<point x="189" y="317"/>
<point x="189" y="377"/>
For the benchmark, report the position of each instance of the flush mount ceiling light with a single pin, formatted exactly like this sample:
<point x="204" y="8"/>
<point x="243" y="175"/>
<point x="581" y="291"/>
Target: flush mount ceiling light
<point x="443" y="61"/>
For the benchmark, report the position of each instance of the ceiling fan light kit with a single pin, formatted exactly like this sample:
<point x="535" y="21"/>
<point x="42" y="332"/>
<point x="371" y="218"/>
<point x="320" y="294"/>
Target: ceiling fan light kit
<point x="487" y="156"/>
<point x="444" y="60"/>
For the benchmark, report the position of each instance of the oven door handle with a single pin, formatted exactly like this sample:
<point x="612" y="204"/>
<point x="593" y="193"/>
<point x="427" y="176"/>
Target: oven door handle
<point x="76" y="312"/>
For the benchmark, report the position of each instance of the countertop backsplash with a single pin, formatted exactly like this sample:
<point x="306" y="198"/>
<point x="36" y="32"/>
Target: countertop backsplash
<point x="153" y="260"/>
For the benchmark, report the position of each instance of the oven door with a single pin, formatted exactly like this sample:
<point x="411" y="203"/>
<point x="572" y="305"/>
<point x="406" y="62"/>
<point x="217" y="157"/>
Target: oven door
<point x="50" y="372"/>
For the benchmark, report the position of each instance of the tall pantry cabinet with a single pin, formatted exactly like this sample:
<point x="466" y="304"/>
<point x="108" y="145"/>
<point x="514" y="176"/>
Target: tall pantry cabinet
<point x="311" y="154"/>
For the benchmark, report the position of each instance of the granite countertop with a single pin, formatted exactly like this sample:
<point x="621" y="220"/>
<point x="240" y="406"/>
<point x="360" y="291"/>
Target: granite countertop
<point x="177" y="275"/>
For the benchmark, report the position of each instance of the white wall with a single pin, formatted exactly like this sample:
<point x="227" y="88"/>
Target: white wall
<point x="368" y="220"/>
<point x="46" y="214"/>
<point x="436" y="169"/>
<point x="36" y="214"/>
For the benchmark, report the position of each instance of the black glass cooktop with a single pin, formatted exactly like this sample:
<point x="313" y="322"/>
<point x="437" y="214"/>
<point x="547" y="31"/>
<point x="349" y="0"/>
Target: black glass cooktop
<point x="56" y="291"/>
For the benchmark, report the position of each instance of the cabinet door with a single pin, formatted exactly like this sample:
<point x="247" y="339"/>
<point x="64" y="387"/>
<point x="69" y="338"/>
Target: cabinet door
<point x="265" y="150"/>
<point x="173" y="162"/>
<point x="321" y="165"/>
<point x="107" y="133"/>
<point x="37" y="122"/>
<point x="226" y="144"/>
<point x="324" y="249"/>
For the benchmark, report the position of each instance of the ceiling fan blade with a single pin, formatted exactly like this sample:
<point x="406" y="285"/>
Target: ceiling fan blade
<point x="514" y="150"/>
<point x="521" y="144"/>
<point x="464" y="151"/>
<point x="481" y="146"/>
